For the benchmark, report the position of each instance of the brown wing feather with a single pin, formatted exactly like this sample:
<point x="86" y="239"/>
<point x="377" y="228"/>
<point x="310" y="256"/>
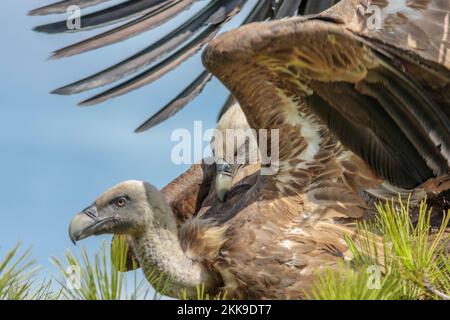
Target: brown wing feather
<point x="186" y="193"/>
<point x="283" y="64"/>
<point x="419" y="27"/>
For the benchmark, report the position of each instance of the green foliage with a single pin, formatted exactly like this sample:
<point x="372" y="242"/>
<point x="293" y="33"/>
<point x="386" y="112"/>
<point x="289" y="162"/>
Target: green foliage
<point x="100" y="278"/>
<point x="91" y="277"/>
<point x="17" y="280"/>
<point x="349" y="284"/>
<point x="407" y="260"/>
<point x="15" y="272"/>
<point x="201" y="294"/>
<point x="393" y="258"/>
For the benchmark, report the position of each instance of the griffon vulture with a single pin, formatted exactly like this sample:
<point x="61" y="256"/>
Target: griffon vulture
<point x="362" y="112"/>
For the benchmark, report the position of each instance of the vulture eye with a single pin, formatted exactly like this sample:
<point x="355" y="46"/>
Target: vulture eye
<point x="119" y="203"/>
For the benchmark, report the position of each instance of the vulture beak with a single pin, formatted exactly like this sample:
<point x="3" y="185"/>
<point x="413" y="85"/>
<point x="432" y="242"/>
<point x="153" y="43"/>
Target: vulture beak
<point x="86" y="224"/>
<point x="224" y="178"/>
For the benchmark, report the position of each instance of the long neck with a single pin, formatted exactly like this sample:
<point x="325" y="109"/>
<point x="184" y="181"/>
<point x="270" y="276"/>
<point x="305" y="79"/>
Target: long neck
<point x="159" y="252"/>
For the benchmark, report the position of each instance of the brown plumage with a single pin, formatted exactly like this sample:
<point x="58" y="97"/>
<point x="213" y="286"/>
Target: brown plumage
<point x="362" y="115"/>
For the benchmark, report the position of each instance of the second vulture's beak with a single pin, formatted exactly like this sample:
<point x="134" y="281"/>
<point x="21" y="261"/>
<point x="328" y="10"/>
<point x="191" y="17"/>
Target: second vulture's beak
<point x="88" y="223"/>
<point x="224" y="179"/>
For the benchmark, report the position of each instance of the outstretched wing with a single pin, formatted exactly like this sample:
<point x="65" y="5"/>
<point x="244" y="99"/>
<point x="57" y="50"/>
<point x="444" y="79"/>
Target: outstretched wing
<point x="166" y="54"/>
<point x="309" y="77"/>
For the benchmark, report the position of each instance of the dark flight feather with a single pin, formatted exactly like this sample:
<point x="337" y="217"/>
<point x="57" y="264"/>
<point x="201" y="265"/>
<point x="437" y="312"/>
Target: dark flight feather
<point x="288" y="9"/>
<point x="157" y="71"/>
<point x="61" y="7"/>
<point x="313" y="7"/>
<point x="122" y="11"/>
<point x="144" y="15"/>
<point x="147" y="56"/>
<point x="259" y="12"/>
<point x="177" y="103"/>
<point x="133" y="28"/>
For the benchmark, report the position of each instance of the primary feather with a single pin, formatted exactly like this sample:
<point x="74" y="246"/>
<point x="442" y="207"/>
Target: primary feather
<point x="142" y="16"/>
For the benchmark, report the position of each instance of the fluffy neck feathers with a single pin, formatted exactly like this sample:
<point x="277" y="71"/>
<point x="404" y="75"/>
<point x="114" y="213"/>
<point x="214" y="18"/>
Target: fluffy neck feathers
<point x="159" y="251"/>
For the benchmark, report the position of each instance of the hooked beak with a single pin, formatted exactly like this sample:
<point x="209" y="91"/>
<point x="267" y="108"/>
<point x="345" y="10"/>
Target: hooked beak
<point x="223" y="181"/>
<point x="86" y="224"/>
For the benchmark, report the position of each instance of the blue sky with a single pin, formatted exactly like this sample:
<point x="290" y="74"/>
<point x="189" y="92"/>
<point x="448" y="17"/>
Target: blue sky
<point x="56" y="158"/>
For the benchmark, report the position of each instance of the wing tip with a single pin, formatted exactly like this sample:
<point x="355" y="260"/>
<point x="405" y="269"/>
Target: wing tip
<point x="56" y="28"/>
<point x="34" y="12"/>
<point x="63" y="91"/>
<point x="86" y="103"/>
<point x="39" y="29"/>
<point x="140" y="129"/>
<point x="56" y="55"/>
<point x="92" y="101"/>
<point x="70" y="90"/>
<point x="147" y="125"/>
<point x="55" y="8"/>
<point x="42" y="11"/>
<point x="48" y="28"/>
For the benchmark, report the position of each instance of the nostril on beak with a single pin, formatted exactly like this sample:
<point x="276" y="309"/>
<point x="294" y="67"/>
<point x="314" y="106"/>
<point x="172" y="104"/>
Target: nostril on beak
<point x="91" y="212"/>
<point x="82" y="222"/>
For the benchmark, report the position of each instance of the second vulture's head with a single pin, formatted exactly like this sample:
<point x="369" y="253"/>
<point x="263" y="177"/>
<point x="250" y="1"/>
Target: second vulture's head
<point x="127" y="208"/>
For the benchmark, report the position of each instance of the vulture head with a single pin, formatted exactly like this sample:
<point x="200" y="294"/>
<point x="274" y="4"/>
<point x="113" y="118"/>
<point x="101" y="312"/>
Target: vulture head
<point x="128" y="208"/>
<point x="139" y="210"/>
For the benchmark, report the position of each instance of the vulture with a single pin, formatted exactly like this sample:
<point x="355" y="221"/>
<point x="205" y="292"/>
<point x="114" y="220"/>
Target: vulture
<point x="358" y="99"/>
